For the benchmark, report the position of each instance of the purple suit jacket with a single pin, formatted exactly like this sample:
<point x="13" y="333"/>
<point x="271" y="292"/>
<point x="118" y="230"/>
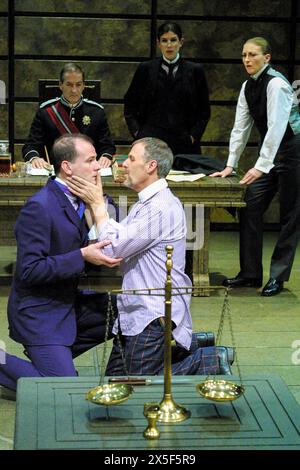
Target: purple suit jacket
<point x="41" y="305"/>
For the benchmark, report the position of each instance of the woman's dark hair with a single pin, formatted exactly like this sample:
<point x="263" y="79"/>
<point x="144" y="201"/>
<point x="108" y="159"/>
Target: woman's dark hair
<point x="166" y="27"/>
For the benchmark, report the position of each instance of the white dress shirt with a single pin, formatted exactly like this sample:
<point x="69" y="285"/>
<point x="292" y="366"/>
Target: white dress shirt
<point x="155" y="221"/>
<point x="279" y="105"/>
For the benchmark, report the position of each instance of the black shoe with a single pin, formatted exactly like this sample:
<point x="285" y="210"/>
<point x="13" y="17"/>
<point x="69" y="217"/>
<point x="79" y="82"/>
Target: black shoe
<point x="205" y="339"/>
<point x="273" y="287"/>
<point x="239" y="281"/>
<point x="226" y="358"/>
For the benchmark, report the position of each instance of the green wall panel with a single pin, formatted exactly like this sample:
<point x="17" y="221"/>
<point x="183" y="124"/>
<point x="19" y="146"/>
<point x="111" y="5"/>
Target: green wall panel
<point x="224" y="39"/>
<point x="224" y="80"/>
<point x="115" y="76"/>
<point x="24" y="114"/>
<point x="80" y="36"/>
<point x="3" y="36"/>
<point x="248" y="8"/>
<point x="137" y="7"/>
<point x="3" y="5"/>
<point x="3" y="74"/>
<point x="217" y="152"/>
<point x="28" y="72"/>
<point x="220" y="123"/>
<point x="3" y="121"/>
<point x="117" y="124"/>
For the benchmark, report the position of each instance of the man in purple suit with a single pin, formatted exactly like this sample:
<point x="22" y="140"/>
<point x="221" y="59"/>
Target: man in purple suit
<point x="46" y="312"/>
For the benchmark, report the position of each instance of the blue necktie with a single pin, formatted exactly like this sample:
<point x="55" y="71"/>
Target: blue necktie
<point x="81" y="207"/>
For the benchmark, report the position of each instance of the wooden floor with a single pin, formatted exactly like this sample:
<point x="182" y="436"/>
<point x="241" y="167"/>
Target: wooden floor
<point x="266" y="330"/>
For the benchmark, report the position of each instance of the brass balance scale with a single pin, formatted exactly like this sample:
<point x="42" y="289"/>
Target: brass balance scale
<point x="167" y="411"/>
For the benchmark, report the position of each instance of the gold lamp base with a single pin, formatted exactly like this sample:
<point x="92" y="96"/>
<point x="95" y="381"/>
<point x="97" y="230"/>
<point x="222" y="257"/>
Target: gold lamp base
<point x="171" y="412"/>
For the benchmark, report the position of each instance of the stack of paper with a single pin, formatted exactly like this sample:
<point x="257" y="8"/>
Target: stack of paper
<point x="39" y="171"/>
<point x="105" y="171"/>
<point x="184" y="177"/>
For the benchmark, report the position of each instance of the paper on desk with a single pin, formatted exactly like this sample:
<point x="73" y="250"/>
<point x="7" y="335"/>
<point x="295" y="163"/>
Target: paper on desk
<point x="39" y="171"/>
<point x="185" y="177"/>
<point x="105" y="171"/>
<point x="178" y="172"/>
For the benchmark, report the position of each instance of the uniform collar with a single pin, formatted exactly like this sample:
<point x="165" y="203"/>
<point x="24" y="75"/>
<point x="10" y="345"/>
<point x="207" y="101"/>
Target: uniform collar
<point x="69" y="105"/>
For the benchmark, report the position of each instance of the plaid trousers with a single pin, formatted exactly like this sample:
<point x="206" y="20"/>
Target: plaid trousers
<point x="144" y="355"/>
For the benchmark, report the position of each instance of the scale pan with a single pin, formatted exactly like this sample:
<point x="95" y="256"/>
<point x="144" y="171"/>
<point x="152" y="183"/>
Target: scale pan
<point x="109" y="394"/>
<point x="220" y="390"/>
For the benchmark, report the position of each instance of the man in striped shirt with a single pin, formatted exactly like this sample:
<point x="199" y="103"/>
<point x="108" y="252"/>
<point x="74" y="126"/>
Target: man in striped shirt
<point x="155" y="221"/>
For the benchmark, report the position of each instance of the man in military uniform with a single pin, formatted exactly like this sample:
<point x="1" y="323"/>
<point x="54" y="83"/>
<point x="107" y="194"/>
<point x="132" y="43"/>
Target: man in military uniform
<point x="71" y="113"/>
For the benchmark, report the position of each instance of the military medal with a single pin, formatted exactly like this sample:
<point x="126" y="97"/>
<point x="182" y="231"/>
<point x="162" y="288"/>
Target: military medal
<point x="86" y="120"/>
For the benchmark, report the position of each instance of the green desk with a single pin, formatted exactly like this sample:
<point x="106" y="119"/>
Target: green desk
<point x="198" y="198"/>
<point x="52" y="413"/>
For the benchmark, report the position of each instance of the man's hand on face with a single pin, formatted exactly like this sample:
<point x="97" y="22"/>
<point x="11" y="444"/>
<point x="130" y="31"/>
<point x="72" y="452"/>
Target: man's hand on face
<point x="90" y="193"/>
<point x="94" y="255"/>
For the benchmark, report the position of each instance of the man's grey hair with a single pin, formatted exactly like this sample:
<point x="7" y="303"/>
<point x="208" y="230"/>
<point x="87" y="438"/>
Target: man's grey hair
<point x="156" y="149"/>
<point x="69" y="68"/>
